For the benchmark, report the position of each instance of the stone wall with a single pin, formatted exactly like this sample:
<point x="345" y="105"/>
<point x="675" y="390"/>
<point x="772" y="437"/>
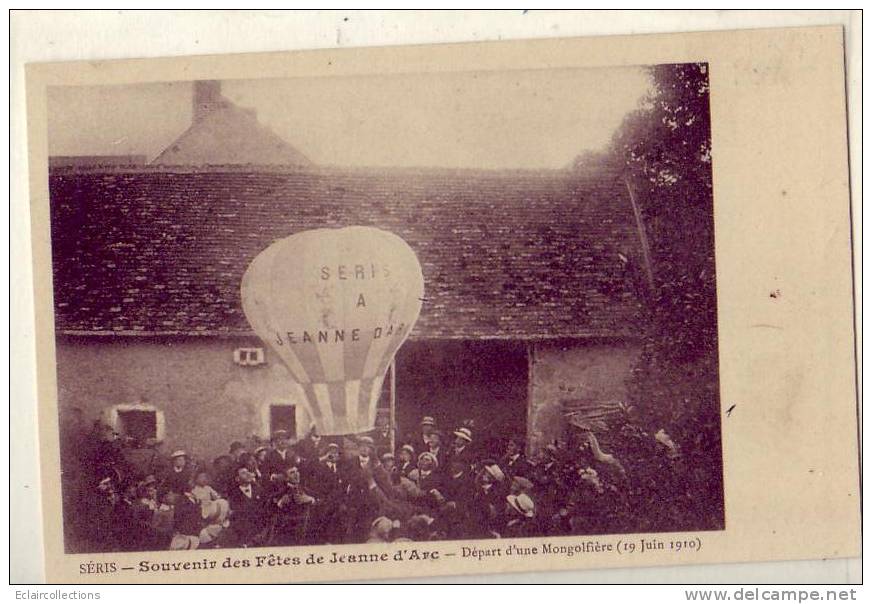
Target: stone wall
<point x="207" y="399"/>
<point x="589" y="371"/>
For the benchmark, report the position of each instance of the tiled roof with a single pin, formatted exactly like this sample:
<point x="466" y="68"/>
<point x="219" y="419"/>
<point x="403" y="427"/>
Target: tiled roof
<point x="157" y="251"/>
<point x="230" y="135"/>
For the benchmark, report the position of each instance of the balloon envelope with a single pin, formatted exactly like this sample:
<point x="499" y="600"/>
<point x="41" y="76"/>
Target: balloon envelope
<point x="335" y="305"/>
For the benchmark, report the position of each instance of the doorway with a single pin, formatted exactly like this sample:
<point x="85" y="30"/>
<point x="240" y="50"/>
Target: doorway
<point x="485" y="381"/>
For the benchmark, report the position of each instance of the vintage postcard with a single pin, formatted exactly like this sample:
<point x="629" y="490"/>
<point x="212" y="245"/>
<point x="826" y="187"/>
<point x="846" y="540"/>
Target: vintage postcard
<point x="415" y="311"/>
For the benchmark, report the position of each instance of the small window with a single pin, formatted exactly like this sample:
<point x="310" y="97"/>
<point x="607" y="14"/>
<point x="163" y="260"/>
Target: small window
<point x="138" y="421"/>
<point x="283" y="417"/>
<point x="248" y="356"/>
<point x="137" y="424"/>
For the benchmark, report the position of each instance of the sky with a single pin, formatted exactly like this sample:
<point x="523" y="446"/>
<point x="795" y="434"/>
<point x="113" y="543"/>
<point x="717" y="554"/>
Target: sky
<point x="495" y="120"/>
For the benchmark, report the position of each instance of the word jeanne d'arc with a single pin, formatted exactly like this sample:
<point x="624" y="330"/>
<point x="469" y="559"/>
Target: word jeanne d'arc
<point x="337" y="336"/>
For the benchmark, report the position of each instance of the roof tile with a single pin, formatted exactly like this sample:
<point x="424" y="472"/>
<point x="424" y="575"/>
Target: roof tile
<point x="504" y="254"/>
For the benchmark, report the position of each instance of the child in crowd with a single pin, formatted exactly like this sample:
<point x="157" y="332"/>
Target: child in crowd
<point x="215" y="508"/>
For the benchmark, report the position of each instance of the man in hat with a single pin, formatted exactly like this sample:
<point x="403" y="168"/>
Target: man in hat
<point x="514" y="462"/>
<point x="178" y="478"/>
<point x="388" y="462"/>
<point x="549" y="478"/>
<point x="224" y="471"/>
<point x="187" y="521"/>
<point x="365" y="450"/>
<point x="405" y="460"/>
<point x="280" y="457"/>
<point x="421" y="440"/>
<point x="456" y="490"/>
<point x="249" y="515"/>
<point x="329" y="486"/>
<point x="428" y="480"/>
<point x="309" y="447"/>
<point x="364" y="458"/>
<point x="105" y="533"/>
<point x="461" y="450"/>
<point x="360" y="502"/>
<point x="521" y="486"/>
<point x="457" y="483"/>
<point x="328" y="477"/>
<point x="520" y="517"/>
<point x="237" y="452"/>
<point x="435" y="448"/>
<point x="293" y="511"/>
<point x="487" y="502"/>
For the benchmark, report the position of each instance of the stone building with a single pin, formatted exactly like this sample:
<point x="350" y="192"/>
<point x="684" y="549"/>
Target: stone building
<point x="534" y="283"/>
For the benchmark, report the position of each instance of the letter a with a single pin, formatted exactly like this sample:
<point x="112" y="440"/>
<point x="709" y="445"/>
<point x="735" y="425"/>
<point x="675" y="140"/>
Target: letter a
<point x="360" y="301"/>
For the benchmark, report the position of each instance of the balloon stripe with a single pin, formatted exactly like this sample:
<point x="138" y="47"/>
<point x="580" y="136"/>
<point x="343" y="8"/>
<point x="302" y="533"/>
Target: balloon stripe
<point x="355" y="304"/>
<point x="379" y="348"/>
<point x="374" y="395"/>
<point x="335" y="305"/>
<point x="323" y="399"/>
<point x="336" y="396"/>
<point x="294" y="364"/>
<point x="411" y="302"/>
<point x="352" y="404"/>
<point x="256" y="307"/>
<point x="291" y="310"/>
<point x="355" y="352"/>
<point x="327" y="302"/>
<point x="311" y="403"/>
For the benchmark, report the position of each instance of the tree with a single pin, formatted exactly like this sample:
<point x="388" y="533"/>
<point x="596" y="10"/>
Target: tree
<point x="665" y="151"/>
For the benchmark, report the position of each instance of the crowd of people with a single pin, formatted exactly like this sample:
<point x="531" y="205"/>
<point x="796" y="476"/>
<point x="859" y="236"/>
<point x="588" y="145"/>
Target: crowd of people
<point x="435" y="485"/>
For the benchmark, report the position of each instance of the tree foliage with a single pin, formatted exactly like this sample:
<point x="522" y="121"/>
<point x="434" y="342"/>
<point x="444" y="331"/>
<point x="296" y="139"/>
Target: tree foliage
<point x="665" y="149"/>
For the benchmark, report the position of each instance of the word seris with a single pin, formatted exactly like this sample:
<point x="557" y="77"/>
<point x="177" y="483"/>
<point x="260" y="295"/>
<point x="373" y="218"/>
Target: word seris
<point x="345" y="272"/>
<point x="336" y="336"/>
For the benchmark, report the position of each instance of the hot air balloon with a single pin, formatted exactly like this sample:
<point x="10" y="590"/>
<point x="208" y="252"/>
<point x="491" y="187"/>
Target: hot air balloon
<point x="335" y="305"/>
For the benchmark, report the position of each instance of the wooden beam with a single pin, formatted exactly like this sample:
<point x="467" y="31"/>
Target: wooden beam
<point x="643" y="237"/>
<point x="531" y="351"/>
<point x="393" y="407"/>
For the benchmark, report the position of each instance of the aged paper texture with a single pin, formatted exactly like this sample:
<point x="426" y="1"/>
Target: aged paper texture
<point x="452" y="309"/>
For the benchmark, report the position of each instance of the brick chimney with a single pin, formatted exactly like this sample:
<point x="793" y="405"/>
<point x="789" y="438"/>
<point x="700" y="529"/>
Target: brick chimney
<point x="207" y="98"/>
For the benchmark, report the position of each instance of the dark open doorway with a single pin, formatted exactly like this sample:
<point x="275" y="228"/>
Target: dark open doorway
<point x="283" y="417"/>
<point x="481" y="380"/>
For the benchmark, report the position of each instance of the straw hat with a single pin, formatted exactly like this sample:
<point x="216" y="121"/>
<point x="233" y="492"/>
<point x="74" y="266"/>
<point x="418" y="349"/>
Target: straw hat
<point x="431" y="456"/>
<point x="495" y="471"/>
<point x="522" y="504"/>
<point x="463" y="433"/>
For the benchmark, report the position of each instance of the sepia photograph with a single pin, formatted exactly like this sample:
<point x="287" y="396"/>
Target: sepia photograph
<point x="528" y="306"/>
<point x="478" y="305"/>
